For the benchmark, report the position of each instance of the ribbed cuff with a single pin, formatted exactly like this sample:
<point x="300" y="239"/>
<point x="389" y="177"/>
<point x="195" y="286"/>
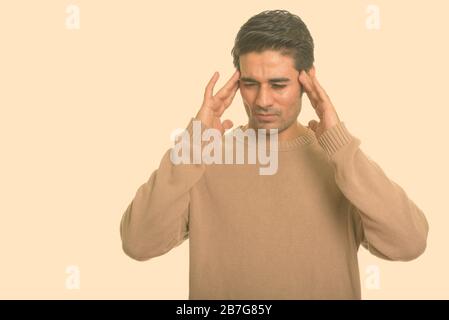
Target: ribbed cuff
<point x="334" y="138"/>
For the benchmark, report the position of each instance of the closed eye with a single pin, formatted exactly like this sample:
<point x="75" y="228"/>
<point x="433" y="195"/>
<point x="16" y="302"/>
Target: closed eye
<point x="276" y="86"/>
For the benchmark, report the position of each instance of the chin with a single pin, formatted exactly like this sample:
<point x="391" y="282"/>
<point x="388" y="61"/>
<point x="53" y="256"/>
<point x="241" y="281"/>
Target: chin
<point x="266" y="124"/>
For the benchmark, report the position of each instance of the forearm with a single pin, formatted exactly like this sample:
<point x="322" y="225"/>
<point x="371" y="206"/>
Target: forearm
<point x="392" y="223"/>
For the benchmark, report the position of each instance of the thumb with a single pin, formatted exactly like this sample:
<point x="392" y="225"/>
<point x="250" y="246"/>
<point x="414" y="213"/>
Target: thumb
<point x="227" y="124"/>
<point x="313" y="124"/>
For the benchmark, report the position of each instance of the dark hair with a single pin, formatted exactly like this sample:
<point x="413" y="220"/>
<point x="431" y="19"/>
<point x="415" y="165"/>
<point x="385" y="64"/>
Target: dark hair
<point x="276" y="30"/>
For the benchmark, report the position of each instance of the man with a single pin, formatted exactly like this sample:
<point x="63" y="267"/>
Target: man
<point x="291" y="235"/>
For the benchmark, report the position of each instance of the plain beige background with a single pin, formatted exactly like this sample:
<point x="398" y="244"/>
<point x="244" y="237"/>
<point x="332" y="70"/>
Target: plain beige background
<point x="86" y="116"/>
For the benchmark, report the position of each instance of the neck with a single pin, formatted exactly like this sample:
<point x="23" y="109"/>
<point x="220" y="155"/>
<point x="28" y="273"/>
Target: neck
<point x="291" y="138"/>
<point x="292" y="132"/>
<point x="295" y="130"/>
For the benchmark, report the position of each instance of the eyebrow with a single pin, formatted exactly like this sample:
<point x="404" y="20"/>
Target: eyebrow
<point x="273" y="80"/>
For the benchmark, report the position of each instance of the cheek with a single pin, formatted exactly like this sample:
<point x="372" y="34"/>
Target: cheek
<point x="291" y="94"/>
<point x="248" y="98"/>
<point x="246" y="93"/>
<point x="289" y="101"/>
<point x="286" y="98"/>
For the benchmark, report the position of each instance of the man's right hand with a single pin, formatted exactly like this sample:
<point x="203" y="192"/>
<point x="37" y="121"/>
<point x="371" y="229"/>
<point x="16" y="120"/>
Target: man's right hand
<point x="214" y="105"/>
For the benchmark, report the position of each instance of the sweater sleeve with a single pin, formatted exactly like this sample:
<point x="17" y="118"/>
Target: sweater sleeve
<point x="385" y="221"/>
<point x="157" y="218"/>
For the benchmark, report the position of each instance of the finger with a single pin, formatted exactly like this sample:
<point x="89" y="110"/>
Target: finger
<point x="305" y="81"/>
<point x="227" y="124"/>
<point x="227" y="102"/>
<point x="227" y="89"/>
<point x="210" y="86"/>
<point x="313" y="124"/>
<point x="309" y="87"/>
<point x="321" y="92"/>
<point x="312" y="71"/>
<point x="230" y="98"/>
<point x="233" y="92"/>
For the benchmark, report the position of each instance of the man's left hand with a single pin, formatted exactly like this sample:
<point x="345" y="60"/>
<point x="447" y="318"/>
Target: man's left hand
<point x="320" y="101"/>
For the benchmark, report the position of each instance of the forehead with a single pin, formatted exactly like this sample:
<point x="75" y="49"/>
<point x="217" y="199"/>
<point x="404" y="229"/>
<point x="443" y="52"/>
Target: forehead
<point x="266" y="64"/>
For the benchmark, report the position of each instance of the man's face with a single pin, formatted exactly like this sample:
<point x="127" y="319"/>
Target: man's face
<point x="269" y="86"/>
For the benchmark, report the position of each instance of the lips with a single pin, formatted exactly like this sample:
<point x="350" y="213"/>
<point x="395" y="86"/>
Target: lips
<point x="265" y="116"/>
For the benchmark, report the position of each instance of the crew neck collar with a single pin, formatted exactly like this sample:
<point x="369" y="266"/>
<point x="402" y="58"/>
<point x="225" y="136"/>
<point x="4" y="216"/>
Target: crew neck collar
<point x="302" y="140"/>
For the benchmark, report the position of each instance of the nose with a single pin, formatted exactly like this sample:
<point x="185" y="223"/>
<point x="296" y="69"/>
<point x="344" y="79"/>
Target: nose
<point x="264" y="98"/>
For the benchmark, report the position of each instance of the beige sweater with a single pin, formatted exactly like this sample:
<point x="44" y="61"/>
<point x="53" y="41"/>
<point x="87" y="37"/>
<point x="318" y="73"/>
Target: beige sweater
<point x="291" y="235"/>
